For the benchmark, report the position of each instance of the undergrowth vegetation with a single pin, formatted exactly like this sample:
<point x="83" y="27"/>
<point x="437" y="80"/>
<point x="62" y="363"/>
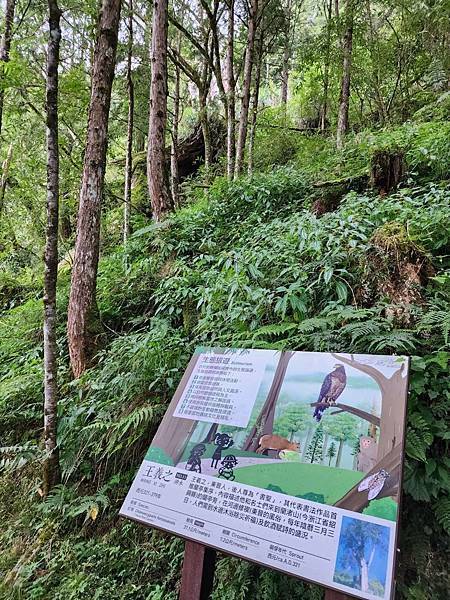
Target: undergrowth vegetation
<point x="243" y="264"/>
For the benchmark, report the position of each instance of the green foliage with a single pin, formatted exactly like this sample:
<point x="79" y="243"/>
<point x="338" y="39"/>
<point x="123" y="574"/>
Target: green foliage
<point x="245" y="264"/>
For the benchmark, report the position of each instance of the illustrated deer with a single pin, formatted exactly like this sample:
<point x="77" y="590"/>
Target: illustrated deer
<point x="275" y="442"/>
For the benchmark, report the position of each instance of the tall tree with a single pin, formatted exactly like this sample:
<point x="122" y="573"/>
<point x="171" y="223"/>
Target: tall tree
<point x="130" y="124"/>
<point x="246" y="87"/>
<point x="231" y="93"/>
<point x="255" y="100"/>
<point x="376" y="70"/>
<point x="156" y="170"/>
<point x="5" y="47"/>
<point x="174" y="172"/>
<point x="51" y="472"/>
<point x="287" y="42"/>
<point x="314" y="450"/>
<point x="331" y="452"/>
<point x="326" y="66"/>
<point x="344" y="99"/>
<point x="82" y="301"/>
<point x="362" y="542"/>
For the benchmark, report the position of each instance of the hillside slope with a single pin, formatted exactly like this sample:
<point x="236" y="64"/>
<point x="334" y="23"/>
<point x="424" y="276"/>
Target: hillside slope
<point x="252" y="264"/>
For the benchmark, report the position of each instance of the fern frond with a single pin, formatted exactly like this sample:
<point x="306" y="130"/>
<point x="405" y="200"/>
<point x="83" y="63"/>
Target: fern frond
<point x="442" y="512"/>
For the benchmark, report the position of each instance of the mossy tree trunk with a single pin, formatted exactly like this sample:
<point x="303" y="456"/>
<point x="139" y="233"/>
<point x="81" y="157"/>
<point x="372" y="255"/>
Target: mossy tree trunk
<point x="82" y="311"/>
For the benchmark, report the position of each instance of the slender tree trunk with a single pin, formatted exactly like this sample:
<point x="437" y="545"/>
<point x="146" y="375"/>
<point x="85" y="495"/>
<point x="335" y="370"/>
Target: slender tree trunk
<point x="4" y="179"/>
<point x="376" y="78"/>
<point x="209" y="438"/>
<point x="264" y="422"/>
<point x="313" y="453"/>
<point x="326" y="70"/>
<point x="248" y="67"/>
<point x="285" y="76"/>
<point x="174" y="171"/>
<point x="344" y="100"/>
<point x="174" y="174"/>
<point x="156" y="172"/>
<point x="364" y="575"/>
<point x="5" y="47"/>
<point x="339" y="454"/>
<point x="231" y="90"/>
<point x="286" y="55"/>
<point x="204" y="122"/>
<point x="82" y="301"/>
<point x="324" y="448"/>
<point x="255" y="102"/>
<point x="51" y="471"/>
<point x="129" y="148"/>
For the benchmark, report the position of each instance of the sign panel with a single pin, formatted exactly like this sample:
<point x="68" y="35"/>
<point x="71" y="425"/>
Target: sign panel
<point x="290" y="459"/>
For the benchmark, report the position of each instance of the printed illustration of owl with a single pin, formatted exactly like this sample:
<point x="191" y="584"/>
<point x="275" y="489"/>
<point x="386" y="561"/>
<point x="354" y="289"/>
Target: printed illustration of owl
<point x="374" y="484"/>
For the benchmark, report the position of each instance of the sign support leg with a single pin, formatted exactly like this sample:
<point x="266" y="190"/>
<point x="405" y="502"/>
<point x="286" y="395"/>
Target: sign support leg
<point x="198" y="571"/>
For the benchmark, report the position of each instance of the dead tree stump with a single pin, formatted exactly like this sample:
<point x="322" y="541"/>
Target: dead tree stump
<point x="386" y="170"/>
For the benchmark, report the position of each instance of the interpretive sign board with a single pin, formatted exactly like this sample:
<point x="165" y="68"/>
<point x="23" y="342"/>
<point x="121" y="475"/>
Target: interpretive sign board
<point x="289" y="459"/>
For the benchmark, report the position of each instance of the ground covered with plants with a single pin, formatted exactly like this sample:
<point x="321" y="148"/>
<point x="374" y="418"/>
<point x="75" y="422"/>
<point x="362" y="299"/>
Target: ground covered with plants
<point x="250" y="263"/>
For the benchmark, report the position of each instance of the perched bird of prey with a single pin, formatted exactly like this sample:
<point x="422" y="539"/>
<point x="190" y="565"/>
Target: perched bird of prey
<point x="332" y="387"/>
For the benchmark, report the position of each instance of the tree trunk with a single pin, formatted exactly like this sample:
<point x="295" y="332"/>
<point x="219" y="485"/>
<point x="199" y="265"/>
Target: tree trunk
<point x="376" y="78"/>
<point x="386" y="170"/>
<point x="339" y="454"/>
<point x="129" y="149"/>
<point x="82" y="302"/>
<point x="156" y="173"/>
<point x="174" y="174"/>
<point x="344" y="100"/>
<point x="174" y="170"/>
<point x="231" y="91"/>
<point x="5" y="47"/>
<point x="285" y="75"/>
<point x="313" y="453"/>
<point x="326" y="70"/>
<point x="264" y="422"/>
<point x="286" y="55"/>
<point x="248" y="67"/>
<point x="4" y="180"/>
<point x="204" y="122"/>
<point x="364" y="575"/>
<point x="209" y="438"/>
<point x="255" y="102"/>
<point x="324" y="448"/>
<point x="51" y="470"/>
